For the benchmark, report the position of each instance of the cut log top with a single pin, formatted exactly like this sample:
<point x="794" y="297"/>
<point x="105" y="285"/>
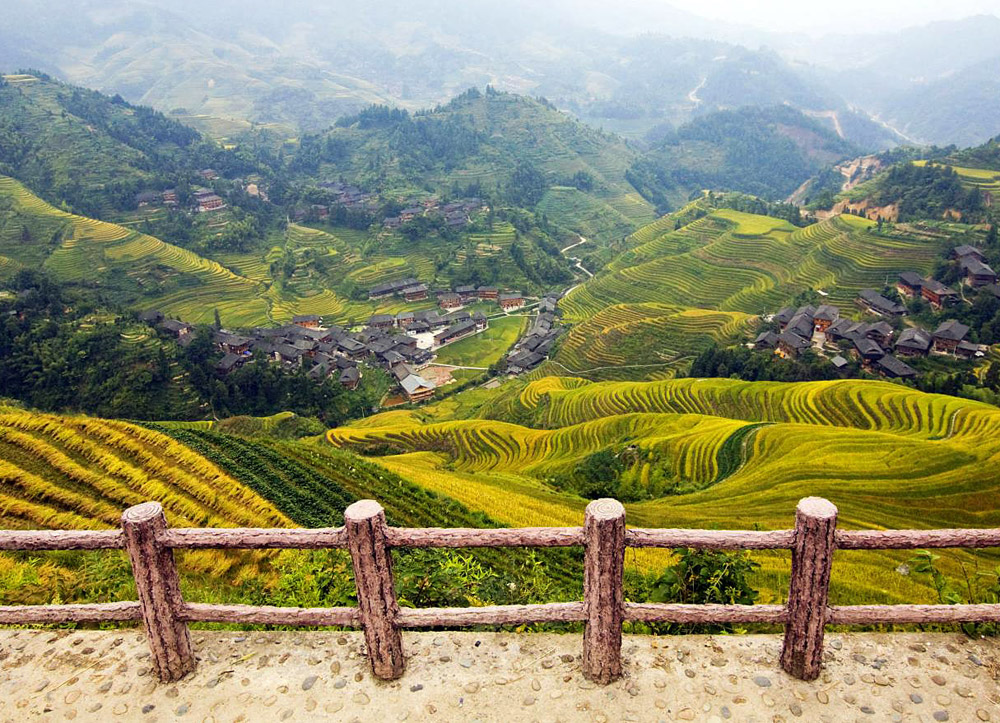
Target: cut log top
<point x="816" y="507"/>
<point x="363" y="510"/>
<point x="605" y="509"/>
<point x="142" y="513"/>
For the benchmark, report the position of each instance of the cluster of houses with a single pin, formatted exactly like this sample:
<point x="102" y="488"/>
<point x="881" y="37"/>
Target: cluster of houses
<point x="411" y="289"/>
<point x="456" y="214"/>
<point x="446" y="329"/>
<point x="874" y="344"/>
<point x="325" y="351"/>
<point x="534" y="347"/>
<point x="976" y="273"/>
<point x="203" y="199"/>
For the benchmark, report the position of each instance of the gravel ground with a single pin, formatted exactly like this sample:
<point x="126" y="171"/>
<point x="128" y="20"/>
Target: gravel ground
<point x="101" y="676"/>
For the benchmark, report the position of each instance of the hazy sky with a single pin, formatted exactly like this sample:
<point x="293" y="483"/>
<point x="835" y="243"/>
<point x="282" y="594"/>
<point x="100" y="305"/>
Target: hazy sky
<point x="836" y="16"/>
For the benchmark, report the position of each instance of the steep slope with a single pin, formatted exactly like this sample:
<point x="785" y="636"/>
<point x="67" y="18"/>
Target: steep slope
<point x="767" y="152"/>
<point x="534" y="154"/>
<point x="678" y="289"/>
<point x="139" y="268"/>
<point x="90" y="150"/>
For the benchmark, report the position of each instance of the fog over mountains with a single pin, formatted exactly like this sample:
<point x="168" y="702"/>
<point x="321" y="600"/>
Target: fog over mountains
<point x="628" y="68"/>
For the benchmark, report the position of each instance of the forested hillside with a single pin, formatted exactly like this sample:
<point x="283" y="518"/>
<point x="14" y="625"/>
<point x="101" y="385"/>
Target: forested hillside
<point x="767" y="152"/>
<point x="521" y="151"/>
<point x="95" y="152"/>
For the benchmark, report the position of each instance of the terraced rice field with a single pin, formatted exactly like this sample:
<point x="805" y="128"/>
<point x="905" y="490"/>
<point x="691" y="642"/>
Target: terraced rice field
<point x="80" y="473"/>
<point x="889" y="457"/>
<point x="982" y="178"/>
<point x="727" y="261"/>
<point x="656" y="333"/>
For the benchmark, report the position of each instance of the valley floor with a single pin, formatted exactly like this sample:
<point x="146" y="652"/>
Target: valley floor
<point x="255" y="676"/>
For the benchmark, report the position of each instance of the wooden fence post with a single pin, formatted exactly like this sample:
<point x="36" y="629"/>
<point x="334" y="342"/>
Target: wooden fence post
<point x="604" y="610"/>
<point x="812" y="558"/>
<point x="377" y="604"/>
<point x="159" y="590"/>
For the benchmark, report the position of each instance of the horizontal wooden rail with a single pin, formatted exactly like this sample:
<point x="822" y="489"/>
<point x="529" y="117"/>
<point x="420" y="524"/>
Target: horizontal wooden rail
<point x="671" y="613"/>
<point x="31" y="540"/>
<point x="912" y="614"/>
<point x="915" y="539"/>
<point x="711" y="539"/>
<point x="477" y="537"/>
<point x="266" y="615"/>
<point x="490" y="615"/>
<point x="604" y="537"/>
<point x="118" y="612"/>
<point x="254" y="538"/>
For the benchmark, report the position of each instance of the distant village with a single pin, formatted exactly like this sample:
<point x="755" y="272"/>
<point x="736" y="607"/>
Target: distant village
<point x="875" y="344"/>
<point x="402" y="344"/>
<point x="455" y="214"/>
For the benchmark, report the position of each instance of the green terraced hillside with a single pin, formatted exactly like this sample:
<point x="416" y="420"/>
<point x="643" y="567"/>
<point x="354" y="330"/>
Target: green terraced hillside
<point x="333" y="268"/>
<point x="677" y="290"/>
<point x="739" y="454"/>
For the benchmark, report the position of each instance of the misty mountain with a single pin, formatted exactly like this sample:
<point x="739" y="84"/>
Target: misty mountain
<point x="301" y="64"/>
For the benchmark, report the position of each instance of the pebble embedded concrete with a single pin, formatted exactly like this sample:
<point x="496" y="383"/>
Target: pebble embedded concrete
<point x="323" y="676"/>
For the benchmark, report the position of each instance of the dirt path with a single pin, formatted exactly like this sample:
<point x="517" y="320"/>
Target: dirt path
<point x="693" y="94"/>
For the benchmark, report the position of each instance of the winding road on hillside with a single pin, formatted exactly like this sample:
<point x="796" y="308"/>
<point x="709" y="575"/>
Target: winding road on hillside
<point x="577" y="264"/>
<point x="693" y="94"/>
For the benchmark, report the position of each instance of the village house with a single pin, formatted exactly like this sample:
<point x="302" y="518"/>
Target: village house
<point x="381" y="321"/>
<point x="949" y="335"/>
<point x="170" y="197"/>
<point x="783" y="317"/>
<point x="910" y="284"/>
<point x="467" y="293"/>
<point x="878" y="304"/>
<point x="180" y="329"/>
<point x="488" y="293"/>
<point x="937" y="294"/>
<point x="965" y="251"/>
<point x="391" y="288"/>
<point x="350" y="378"/>
<point x="455" y="332"/>
<point x="449" y="301"/>
<point x="230" y="362"/>
<point x="913" y="341"/>
<point x="790" y="345"/>
<point x="405" y="319"/>
<point x="801" y="325"/>
<point x="841" y="365"/>
<point x="417" y="292"/>
<point x="824" y="316"/>
<point x="511" y="302"/>
<point x="479" y="319"/>
<point x="893" y="368"/>
<point x="308" y="321"/>
<point x="968" y="350"/>
<point x="206" y="200"/>
<point x="766" y="341"/>
<point x="977" y="273"/>
<point x="232" y="343"/>
<point x="416" y="388"/>
<point x="867" y="350"/>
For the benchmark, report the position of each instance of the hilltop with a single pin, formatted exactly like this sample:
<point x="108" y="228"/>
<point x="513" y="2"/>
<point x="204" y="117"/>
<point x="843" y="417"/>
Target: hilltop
<point x="766" y="152"/>
<point x="92" y="151"/>
<point x="516" y="148"/>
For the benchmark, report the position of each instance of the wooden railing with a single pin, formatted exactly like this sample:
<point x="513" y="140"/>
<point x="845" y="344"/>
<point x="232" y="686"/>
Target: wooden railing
<point x="165" y="615"/>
